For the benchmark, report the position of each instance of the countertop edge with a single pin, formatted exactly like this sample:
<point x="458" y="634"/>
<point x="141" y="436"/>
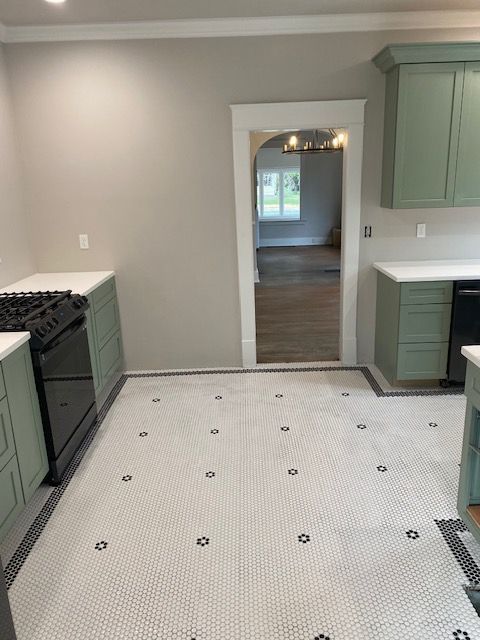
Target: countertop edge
<point x="472" y="353"/>
<point x="22" y="338"/>
<point x="111" y="274"/>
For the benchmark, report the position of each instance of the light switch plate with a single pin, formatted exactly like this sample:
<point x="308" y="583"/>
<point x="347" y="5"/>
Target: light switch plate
<point x="421" y="230"/>
<point x="83" y="238"/>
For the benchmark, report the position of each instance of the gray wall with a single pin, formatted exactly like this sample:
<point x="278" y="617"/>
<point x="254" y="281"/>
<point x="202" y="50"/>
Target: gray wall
<point x="131" y="142"/>
<point x="17" y="260"/>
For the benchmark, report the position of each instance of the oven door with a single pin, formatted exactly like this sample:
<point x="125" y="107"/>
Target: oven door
<point x="65" y="380"/>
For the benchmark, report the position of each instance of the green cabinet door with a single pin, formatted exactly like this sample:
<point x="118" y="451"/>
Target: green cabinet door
<point x="26" y="420"/>
<point x="11" y="498"/>
<point x="7" y="444"/>
<point x="427" y="129"/>
<point x="93" y="348"/>
<point x="467" y="186"/>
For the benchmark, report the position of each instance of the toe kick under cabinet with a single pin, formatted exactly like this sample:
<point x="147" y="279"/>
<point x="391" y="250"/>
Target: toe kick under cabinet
<point x="105" y="339"/>
<point x="412" y="329"/>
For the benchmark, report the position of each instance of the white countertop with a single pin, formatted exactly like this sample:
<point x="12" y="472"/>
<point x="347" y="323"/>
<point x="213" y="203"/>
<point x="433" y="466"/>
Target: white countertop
<point x="472" y="353"/>
<point x="82" y="282"/>
<point x="430" y="270"/>
<point x="11" y="341"/>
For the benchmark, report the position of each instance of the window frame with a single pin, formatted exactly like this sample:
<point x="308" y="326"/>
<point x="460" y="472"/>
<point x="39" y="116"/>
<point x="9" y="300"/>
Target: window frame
<point x="282" y="216"/>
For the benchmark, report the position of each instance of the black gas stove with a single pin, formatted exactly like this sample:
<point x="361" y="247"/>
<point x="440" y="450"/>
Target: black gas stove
<point x="44" y="314"/>
<point x="61" y="364"/>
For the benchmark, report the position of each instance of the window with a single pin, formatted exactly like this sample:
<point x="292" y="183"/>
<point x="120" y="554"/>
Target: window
<point x="278" y="194"/>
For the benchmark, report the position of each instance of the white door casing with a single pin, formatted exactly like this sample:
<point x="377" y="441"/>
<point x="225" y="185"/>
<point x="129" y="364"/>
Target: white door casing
<point x="287" y="116"/>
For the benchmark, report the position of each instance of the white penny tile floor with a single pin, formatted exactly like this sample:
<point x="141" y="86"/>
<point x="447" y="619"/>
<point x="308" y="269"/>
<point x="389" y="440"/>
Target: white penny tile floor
<point x="268" y="505"/>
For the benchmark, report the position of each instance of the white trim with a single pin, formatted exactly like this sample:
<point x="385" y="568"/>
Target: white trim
<point x="256" y="276"/>
<point x="345" y="114"/>
<point x="254" y="26"/>
<point x="294" y="242"/>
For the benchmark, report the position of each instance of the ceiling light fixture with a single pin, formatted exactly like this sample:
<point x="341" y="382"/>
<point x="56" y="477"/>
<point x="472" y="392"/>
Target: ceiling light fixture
<point x="336" y="142"/>
<point x="55" y="1"/>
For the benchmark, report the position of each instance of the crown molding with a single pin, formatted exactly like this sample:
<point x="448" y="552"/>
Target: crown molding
<point x="234" y="27"/>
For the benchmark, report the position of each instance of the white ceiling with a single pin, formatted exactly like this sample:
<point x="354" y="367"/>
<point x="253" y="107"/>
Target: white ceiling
<point x="39" y="12"/>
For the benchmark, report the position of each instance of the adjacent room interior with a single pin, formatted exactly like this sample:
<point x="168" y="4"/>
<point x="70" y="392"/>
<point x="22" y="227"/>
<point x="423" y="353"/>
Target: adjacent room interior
<point x="298" y="213"/>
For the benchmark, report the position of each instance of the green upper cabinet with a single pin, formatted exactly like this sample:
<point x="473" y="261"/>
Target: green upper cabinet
<point x="428" y="120"/>
<point x="467" y="187"/>
<point x="431" y="155"/>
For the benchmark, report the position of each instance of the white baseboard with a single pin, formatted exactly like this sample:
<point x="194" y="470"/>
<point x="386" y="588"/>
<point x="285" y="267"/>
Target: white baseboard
<point x="256" y="276"/>
<point x="294" y="242"/>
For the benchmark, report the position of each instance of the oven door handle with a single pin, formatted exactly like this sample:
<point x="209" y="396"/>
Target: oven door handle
<point x="63" y="338"/>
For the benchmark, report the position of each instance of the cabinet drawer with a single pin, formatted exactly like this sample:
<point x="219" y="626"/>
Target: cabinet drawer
<point x="110" y="356"/>
<point x="425" y="292"/>
<point x="3" y="391"/>
<point x="424" y="323"/>
<point x="7" y="443"/>
<point x="106" y="321"/>
<point x="11" y="497"/>
<point x="422" y="361"/>
<point x="102" y="294"/>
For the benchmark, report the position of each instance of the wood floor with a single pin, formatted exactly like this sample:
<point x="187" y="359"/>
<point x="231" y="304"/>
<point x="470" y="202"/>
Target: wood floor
<point x="298" y="304"/>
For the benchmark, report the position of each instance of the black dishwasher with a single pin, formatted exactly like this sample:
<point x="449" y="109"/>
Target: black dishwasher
<point x="465" y="327"/>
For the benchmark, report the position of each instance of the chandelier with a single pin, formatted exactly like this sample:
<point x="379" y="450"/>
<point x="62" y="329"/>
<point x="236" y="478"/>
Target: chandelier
<point x="318" y="144"/>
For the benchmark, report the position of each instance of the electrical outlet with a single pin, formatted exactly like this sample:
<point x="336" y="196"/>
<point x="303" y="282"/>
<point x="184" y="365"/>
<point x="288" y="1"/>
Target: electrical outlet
<point x="83" y="238"/>
<point x="421" y="230"/>
<point x="368" y="232"/>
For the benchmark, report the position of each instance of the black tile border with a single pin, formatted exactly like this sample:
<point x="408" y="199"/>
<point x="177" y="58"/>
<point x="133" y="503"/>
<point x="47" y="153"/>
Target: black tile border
<point x="450" y="530"/>
<point x="36" y="528"/>
<point x="370" y="378"/>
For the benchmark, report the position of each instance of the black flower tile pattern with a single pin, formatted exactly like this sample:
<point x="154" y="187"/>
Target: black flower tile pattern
<point x="293" y="472"/>
<point x="143" y="434"/>
<point x="461" y="635"/>
<point x="210" y="474"/>
<point x="304" y="538"/>
<point x="345" y="394"/>
<point x="214" y="431"/>
<point x="413" y="535"/>
<point x="279" y="395"/>
<point x="126" y="478"/>
<point x="156" y="400"/>
<point x="361" y="426"/>
<point x="322" y="636"/>
<point x="432" y="424"/>
<point x="381" y="468"/>
<point x="284" y="428"/>
<point x="101" y="546"/>
<point x="218" y="398"/>
<point x="203" y="541"/>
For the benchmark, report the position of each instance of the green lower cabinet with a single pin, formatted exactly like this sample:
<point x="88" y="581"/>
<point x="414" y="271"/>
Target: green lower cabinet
<point x="412" y="329"/>
<point x="11" y="496"/>
<point x="26" y="421"/>
<point x="105" y="339"/>
<point x="468" y="502"/>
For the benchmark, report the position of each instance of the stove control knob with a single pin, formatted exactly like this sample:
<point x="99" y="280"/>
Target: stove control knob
<point x="41" y="331"/>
